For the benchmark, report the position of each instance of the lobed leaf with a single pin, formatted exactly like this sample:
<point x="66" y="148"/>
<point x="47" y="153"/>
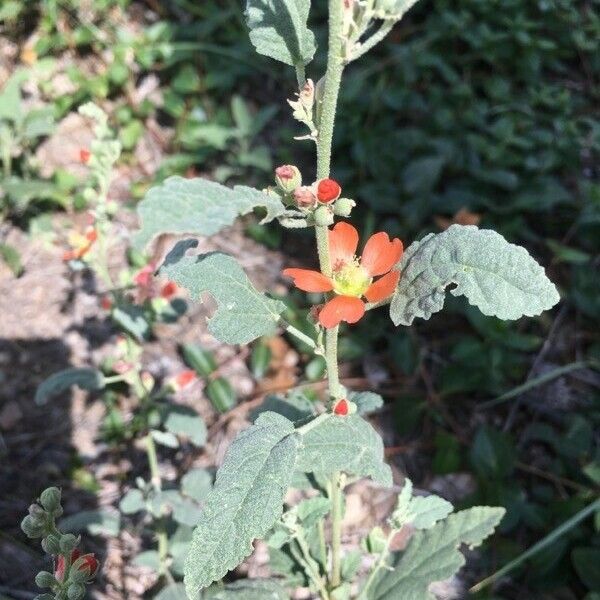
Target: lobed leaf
<point x="501" y="279"/>
<point x="278" y="30"/>
<point x="245" y="502"/>
<point x="197" y="206"/>
<point x="85" y="378"/>
<point x="433" y="554"/>
<point x="348" y="444"/>
<point x="243" y="313"/>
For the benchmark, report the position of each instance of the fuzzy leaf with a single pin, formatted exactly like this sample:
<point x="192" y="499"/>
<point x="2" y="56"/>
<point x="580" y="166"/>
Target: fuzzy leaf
<point x="278" y="30"/>
<point x="348" y="444"/>
<point x="186" y="422"/>
<point x="197" y="484"/>
<point x="501" y="279"/>
<point x="422" y="512"/>
<point x="433" y="555"/>
<point x="86" y="379"/>
<point x="199" y="207"/>
<point x="243" y="313"/>
<point x="366" y="402"/>
<point x="245" y="502"/>
<point x="250" y="589"/>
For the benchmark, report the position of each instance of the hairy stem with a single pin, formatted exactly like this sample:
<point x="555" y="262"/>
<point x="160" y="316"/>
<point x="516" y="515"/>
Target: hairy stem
<point x="333" y="79"/>
<point x="379" y="565"/>
<point x="336" y="529"/>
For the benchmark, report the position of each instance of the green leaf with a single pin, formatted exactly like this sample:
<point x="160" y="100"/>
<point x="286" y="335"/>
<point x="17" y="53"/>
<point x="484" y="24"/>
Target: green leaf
<point x="133" y="320"/>
<point x="12" y="257"/>
<point x="312" y="509"/>
<point x="198" y="206"/>
<point x="501" y="279"/>
<point x="133" y="501"/>
<point x="493" y="453"/>
<point x="422" y="512"/>
<point x="366" y="402"/>
<point x="164" y="438"/>
<point x="95" y="522"/>
<point x="86" y="379"/>
<point x="174" y="591"/>
<point x="347" y="444"/>
<point x="433" y="555"/>
<point x="586" y="561"/>
<point x="186" y="422"/>
<point x="197" y="484"/>
<point x="250" y="589"/>
<point x="245" y="502"/>
<point x="243" y="313"/>
<point x="148" y="558"/>
<point x="278" y="30"/>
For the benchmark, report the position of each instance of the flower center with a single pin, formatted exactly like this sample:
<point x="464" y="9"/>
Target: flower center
<point x="350" y="279"/>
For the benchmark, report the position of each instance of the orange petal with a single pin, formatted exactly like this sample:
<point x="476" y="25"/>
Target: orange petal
<point x="343" y="241"/>
<point x="383" y="287"/>
<point x="341" y="308"/>
<point x="381" y="254"/>
<point x="309" y="281"/>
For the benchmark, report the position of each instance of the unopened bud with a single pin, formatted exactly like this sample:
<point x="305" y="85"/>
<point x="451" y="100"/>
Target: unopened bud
<point x="44" y="579"/>
<point x="343" y="207"/>
<point x="304" y="197"/>
<point x="323" y="216"/>
<point x="68" y="541"/>
<point x="328" y="190"/>
<point x="307" y="94"/>
<point x="50" y="499"/>
<point x="32" y="528"/>
<point x="288" y="178"/>
<point x="76" y="591"/>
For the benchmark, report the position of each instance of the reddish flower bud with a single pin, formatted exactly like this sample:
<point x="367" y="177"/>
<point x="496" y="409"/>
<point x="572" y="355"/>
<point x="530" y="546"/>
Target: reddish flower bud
<point x="341" y="408"/>
<point x="169" y="289"/>
<point x="144" y="276"/>
<point x="328" y="190"/>
<point x="59" y="571"/>
<point x="87" y="564"/>
<point x="288" y="178"/>
<point x="84" y="155"/>
<point x="304" y="197"/>
<point x="106" y="303"/>
<point x="184" y="378"/>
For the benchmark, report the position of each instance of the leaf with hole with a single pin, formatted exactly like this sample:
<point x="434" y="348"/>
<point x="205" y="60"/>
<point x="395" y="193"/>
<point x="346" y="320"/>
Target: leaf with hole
<point x="501" y="279"/>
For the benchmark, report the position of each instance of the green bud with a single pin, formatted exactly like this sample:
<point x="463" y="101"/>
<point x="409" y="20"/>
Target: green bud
<point x="45" y="597"/>
<point x="288" y="178"/>
<point x="343" y="207"/>
<point x="51" y="544"/>
<point x="50" y="499"/>
<point x="44" y="579"/>
<point x="68" y="542"/>
<point x="76" y="591"/>
<point x="32" y="528"/>
<point x="323" y="216"/>
<point x="78" y="575"/>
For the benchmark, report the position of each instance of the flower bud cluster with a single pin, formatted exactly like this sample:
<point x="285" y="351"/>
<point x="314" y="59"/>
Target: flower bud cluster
<point x="72" y="570"/>
<point x="318" y="203"/>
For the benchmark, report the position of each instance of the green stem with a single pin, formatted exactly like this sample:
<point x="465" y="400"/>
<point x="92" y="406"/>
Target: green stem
<point x="331" y="360"/>
<point x="300" y="75"/>
<point x="333" y="79"/>
<point x="312" y="568"/>
<point x="161" y="530"/>
<point x="298" y="334"/>
<point x="380" y="564"/>
<point x="541" y="545"/>
<point x="336" y="529"/>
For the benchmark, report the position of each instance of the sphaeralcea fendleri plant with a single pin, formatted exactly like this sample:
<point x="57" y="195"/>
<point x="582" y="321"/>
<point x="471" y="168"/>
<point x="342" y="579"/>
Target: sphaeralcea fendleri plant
<point x="325" y="447"/>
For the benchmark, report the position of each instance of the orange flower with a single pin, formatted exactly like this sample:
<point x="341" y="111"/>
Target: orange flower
<point x="352" y="278"/>
<point x="84" y="155"/>
<point x="80" y="244"/>
<point x="168" y="290"/>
